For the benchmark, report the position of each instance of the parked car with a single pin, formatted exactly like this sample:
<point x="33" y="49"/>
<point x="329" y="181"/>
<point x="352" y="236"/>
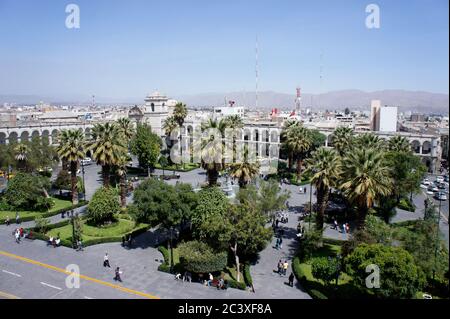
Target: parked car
<point x="426" y="181"/>
<point x="86" y="161"/>
<point x="433" y="188"/>
<point x="440" y="196"/>
<point x="439" y="179"/>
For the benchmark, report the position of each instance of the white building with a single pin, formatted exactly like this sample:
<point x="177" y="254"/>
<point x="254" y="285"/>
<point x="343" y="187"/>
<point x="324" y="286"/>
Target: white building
<point x="383" y="118"/>
<point x="229" y="110"/>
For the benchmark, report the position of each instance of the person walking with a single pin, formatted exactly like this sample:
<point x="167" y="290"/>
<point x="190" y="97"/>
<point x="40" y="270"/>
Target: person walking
<point x="276" y="223"/>
<point x="280" y="267"/>
<point x="343" y="228"/>
<point x="80" y="245"/>
<point x="17" y="218"/>
<point x="336" y="224"/>
<point x="17" y="236"/>
<point x="281" y="243"/>
<point x="117" y="275"/>
<point x="291" y="279"/>
<point x="277" y="243"/>
<point x="7" y="221"/>
<point x="106" y="261"/>
<point x="285" y="267"/>
<point x="347" y="228"/>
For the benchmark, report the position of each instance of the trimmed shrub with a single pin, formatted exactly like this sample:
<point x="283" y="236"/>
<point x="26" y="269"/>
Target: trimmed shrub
<point x="247" y="276"/>
<point x="407" y="205"/>
<point x="237" y="285"/>
<point x="103" y="206"/>
<point x="198" y="257"/>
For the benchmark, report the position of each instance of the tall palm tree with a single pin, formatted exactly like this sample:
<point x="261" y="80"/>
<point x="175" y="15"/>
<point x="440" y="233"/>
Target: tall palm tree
<point x="217" y="126"/>
<point x="21" y="152"/>
<point x="288" y="125"/>
<point x="72" y="149"/>
<point x="169" y="125"/>
<point x="126" y="129"/>
<point x="179" y="114"/>
<point x="107" y="146"/>
<point x="298" y="139"/>
<point x="367" y="179"/>
<point x="244" y="171"/>
<point x="369" y="140"/>
<point x="342" y="138"/>
<point x="235" y="123"/>
<point x="399" y="144"/>
<point x="326" y="167"/>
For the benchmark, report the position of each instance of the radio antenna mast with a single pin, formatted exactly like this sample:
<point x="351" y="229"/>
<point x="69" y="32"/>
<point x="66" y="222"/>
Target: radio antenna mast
<point x="256" y="73"/>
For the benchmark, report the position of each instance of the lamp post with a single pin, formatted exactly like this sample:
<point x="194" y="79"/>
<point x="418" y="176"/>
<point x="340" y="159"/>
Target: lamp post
<point x="84" y="184"/>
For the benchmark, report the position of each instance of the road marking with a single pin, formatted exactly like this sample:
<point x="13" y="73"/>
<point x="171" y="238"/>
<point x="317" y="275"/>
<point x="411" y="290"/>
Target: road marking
<point x="104" y="283"/>
<point x="12" y="273"/>
<point x="48" y="285"/>
<point x="9" y="296"/>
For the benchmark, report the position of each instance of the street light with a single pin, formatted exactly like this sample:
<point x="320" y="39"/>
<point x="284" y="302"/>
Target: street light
<point x="84" y="184"/>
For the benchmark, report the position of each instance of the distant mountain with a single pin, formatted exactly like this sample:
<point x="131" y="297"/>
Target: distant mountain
<point x="417" y="101"/>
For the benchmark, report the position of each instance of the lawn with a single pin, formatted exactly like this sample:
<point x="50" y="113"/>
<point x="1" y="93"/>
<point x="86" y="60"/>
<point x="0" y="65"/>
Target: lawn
<point x="59" y="204"/>
<point x="117" y="229"/>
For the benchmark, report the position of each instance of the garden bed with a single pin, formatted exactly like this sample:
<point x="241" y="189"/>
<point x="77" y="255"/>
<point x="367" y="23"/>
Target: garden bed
<point x="25" y="216"/>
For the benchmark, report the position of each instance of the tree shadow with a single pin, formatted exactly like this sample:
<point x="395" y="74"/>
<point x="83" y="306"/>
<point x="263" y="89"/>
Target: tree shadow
<point x="151" y="238"/>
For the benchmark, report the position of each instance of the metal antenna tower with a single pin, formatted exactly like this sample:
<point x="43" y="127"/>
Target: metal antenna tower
<point x="256" y="73"/>
<point x="298" y="101"/>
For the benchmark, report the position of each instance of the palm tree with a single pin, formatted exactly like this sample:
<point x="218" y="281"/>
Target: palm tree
<point x="217" y="126"/>
<point x="72" y="149"/>
<point x="244" y="171"/>
<point x="399" y="144"/>
<point x="369" y="140"/>
<point x="169" y="125"/>
<point x="298" y="140"/>
<point x="235" y="123"/>
<point x="342" y="138"/>
<point x="367" y="178"/>
<point x="21" y="152"/>
<point x="107" y="146"/>
<point x="179" y="114"/>
<point x="325" y="165"/>
<point x="126" y="129"/>
<point x="288" y="125"/>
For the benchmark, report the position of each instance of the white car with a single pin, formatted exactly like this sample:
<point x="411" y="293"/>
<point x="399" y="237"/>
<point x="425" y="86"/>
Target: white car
<point x="439" y="179"/>
<point x="423" y="186"/>
<point x="426" y="181"/>
<point x="440" y="196"/>
<point x="86" y="161"/>
<point x="430" y="192"/>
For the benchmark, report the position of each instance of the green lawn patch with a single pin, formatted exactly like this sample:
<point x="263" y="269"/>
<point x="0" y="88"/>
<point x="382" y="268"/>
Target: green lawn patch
<point x="59" y="206"/>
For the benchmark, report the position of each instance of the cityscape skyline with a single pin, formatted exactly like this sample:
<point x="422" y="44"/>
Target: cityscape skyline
<point x="171" y="47"/>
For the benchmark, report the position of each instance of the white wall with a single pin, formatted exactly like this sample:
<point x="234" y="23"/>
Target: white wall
<point x="388" y="119"/>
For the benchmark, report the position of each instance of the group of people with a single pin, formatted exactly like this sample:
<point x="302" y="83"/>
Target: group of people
<point x="302" y="190"/>
<point x="126" y="241"/>
<point x="21" y="233"/>
<point x="8" y="221"/>
<point x="117" y="271"/>
<point x="345" y="228"/>
<point x="282" y="271"/>
<point x="69" y="214"/>
<point x="54" y="241"/>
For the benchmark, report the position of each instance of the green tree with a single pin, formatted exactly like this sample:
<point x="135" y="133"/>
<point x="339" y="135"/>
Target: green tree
<point x="299" y="141"/>
<point x="21" y="152"/>
<point x="326" y="167"/>
<point x="63" y="180"/>
<point x="198" y="257"/>
<point x="107" y="147"/>
<point x="72" y="148"/>
<point x="325" y="269"/>
<point x="342" y="139"/>
<point x="369" y="140"/>
<point x="244" y="171"/>
<point x="285" y="146"/>
<point x="211" y="200"/>
<point x="366" y="178"/>
<point x="28" y="192"/>
<point x="146" y="145"/>
<point x="163" y="161"/>
<point x="399" y="275"/>
<point x="399" y="143"/>
<point x="103" y="206"/>
<point x="379" y="231"/>
<point x="126" y="129"/>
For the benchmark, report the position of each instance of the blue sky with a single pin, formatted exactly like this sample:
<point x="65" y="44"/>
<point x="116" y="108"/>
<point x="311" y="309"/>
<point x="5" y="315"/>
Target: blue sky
<point x="129" y="48"/>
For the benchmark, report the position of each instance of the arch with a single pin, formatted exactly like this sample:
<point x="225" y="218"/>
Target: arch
<point x="426" y="147"/>
<point x="25" y="136"/>
<point x="415" y="146"/>
<point x="13" y="137"/>
<point x="55" y="134"/>
<point x="190" y="130"/>
<point x="2" y="138"/>
<point x="247" y="134"/>
<point x="45" y="136"/>
<point x="35" y="134"/>
<point x="265" y="136"/>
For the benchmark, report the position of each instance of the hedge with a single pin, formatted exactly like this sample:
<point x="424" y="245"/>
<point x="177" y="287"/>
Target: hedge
<point x="48" y="214"/>
<point x="406" y="223"/>
<point x="407" y="205"/>
<point x="238" y="285"/>
<point x="247" y="276"/>
<point x="333" y="241"/>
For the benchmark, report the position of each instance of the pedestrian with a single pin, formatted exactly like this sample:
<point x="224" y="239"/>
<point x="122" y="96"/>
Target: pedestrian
<point x="277" y="243"/>
<point x="285" y="267"/>
<point x="106" y="261"/>
<point x="347" y="228"/>
<point x="17" y="236"/>
<point x="21" y="232"/>
<point x="80" y="245"/>
<point x="210" y="279"/>
<point x="281" y="243"/>
<point x="17" y="218"/>
<point x="291" y="279"/>
<point x="304" y="190"/>
<point x="7" y="221"/>
<point x="280" y="267"/>
<point x="343" y="228"/>
<point x="276" y="223"/>
<point x="62" y="214"/>
<point x="117" y="274"/>
<point x="335" y="224"/>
